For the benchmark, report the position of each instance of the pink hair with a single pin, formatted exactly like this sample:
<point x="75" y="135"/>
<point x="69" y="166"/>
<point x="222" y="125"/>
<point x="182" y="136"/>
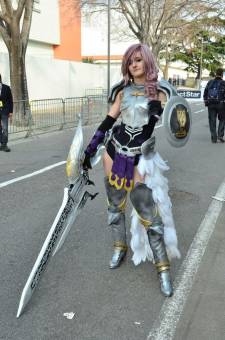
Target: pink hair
<point x="150" y="68"/>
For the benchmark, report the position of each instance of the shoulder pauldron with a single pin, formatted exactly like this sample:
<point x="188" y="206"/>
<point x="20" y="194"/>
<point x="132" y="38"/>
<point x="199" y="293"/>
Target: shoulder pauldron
<point x="115" y="90"/>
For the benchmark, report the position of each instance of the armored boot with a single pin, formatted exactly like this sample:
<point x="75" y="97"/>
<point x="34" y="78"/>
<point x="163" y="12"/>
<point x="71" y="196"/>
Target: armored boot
<point x="146" y="209"/>
<point x="116" y="219"/>
<point x="156" y="241"/>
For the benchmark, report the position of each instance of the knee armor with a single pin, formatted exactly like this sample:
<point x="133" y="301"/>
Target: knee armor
<point x="143" y="203"/>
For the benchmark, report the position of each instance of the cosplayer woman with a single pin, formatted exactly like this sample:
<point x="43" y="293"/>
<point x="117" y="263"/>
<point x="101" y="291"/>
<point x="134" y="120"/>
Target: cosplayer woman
<point x="132" y="165"/>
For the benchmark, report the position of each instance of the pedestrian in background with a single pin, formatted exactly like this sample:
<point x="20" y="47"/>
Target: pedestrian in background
<point x="6" y="111"/>
<point x="214" y="98"/>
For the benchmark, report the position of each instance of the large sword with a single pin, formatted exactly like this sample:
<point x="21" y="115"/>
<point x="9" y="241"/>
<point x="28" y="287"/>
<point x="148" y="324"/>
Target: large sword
<point x="75" y="197"/>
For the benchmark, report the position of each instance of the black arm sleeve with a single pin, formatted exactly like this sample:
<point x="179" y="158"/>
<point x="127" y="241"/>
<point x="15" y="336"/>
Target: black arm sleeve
<point x="106" y="124"/>
<point x="205" y="94"/>
<point x="155" y="108"/>
<point x="148" y="128"/>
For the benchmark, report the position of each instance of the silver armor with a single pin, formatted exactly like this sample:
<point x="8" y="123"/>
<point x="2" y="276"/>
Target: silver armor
<point x="146" y="209"/>
<point x="116" y="219"/>
<point x="134" y="106"/>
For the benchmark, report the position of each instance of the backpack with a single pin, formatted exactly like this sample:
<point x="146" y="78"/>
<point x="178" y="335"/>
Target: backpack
<point x="214" y="90"/>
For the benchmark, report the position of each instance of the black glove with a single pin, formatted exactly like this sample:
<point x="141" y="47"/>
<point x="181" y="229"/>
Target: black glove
<point x="97" y="139"/>
<point x="155" y="108"/>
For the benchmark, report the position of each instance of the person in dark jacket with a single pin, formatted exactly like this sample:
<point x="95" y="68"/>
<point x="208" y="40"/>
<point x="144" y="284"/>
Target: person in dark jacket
<point x="6" y="111"/>
<point x="214" y="98"/>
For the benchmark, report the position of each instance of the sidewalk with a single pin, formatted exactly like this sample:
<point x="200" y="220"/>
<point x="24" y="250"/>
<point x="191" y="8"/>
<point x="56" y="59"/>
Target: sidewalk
<point x="203" y="316"/>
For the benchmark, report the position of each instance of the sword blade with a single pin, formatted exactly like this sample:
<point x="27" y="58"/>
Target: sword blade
<point x="61" y="226"/>
<point x="71" y="220"/>
<point x="45" y="252"/>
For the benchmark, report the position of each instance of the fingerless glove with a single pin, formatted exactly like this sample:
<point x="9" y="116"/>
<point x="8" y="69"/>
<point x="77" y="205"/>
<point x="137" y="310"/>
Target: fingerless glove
<point x="97" y="139"/>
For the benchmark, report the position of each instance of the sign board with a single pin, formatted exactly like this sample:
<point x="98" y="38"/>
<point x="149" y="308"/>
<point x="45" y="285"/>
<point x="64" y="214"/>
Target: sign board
<point x="191" y="94"/>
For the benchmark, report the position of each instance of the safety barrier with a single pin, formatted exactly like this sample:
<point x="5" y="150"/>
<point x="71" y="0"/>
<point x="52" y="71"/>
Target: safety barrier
<point x="54" y="114"/>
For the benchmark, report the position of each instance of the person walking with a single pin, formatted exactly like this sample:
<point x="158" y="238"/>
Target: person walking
<point x="6" y="111"/>
<point x="214" y="98"/>
<point x="132" y="166"/>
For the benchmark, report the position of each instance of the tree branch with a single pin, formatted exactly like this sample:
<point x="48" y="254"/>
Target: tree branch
<point x="20" y="8"/>
<point x="4" y="33"/>
<point x="26" y="22"/>
<point x="4" y="13"/>
<point x="6" y="6"/>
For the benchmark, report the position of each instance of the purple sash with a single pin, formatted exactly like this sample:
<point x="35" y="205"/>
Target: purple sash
<point x="122" y="172"/>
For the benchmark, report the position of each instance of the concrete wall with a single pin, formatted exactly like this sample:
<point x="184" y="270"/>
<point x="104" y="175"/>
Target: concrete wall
<point x="94" y="26"/>
<point x="45" y="24"/>
<point x="51" y="78"/>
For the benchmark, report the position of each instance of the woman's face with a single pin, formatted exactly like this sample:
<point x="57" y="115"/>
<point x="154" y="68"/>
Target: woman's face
<point x="136" y="67"/>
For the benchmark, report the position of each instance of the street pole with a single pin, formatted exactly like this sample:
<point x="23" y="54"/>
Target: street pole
<point x="200" y="73"/>
<point x="108" y="54"/>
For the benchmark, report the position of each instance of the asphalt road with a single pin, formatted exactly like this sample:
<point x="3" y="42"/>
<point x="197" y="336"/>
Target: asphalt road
<point x="107" y="305"/>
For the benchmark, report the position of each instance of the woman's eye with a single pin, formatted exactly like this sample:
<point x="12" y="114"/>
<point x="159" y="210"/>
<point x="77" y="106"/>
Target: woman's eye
<point x="138" y="60"/>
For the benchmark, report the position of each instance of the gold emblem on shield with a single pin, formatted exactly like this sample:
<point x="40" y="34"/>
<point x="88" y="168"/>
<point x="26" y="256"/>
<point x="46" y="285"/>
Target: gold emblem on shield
<point x="182" y="120"/>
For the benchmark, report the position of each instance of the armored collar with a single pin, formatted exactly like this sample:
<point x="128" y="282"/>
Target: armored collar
<point x="138" y="90"/>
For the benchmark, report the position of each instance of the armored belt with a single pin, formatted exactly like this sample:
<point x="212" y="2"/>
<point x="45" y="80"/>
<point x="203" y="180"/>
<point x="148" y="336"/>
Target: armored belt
<point x="124" y="149"/>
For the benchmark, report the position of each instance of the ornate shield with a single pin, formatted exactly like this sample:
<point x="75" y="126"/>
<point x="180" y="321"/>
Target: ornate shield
<point x="177" y="121"/>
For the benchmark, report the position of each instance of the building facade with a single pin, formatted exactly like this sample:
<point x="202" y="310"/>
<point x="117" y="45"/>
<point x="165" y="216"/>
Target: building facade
<point x="68" y="49"/>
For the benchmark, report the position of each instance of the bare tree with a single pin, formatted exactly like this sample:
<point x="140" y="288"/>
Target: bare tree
<point x="161" y="24"/>
<point x="15" y="25"/>
<point x="153" y="21"/>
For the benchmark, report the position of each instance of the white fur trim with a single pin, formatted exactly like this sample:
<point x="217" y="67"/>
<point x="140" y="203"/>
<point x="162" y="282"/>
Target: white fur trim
<point x="153" y="169"/>
<point x="139" y="241"/>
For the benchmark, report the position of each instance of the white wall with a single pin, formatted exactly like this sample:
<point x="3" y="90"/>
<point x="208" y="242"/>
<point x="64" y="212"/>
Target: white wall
<point x="4" y="68"/>
<point x="45" y="25"/>
<point x="94" y="35"/>
<point x="52" y="78"/>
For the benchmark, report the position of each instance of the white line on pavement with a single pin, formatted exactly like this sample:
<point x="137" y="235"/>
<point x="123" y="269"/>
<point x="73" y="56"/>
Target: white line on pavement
<point x="158" y="126"/>
<point x="199" y="111"/>
<point x="165" y="325"/>
<point x="47" y="168"/>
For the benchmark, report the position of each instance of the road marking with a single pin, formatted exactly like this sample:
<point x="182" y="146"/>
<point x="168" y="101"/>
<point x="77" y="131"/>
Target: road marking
<point x="199" y="111"/>
<point x="158" y="126"/>
<point x="197" y="103"/>
<point x="165" y="325"/>
<point x="47" y="168"/>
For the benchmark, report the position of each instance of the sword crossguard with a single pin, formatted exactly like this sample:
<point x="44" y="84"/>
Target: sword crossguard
<point x="94" y="195"/>
<point x="90" y="182"/>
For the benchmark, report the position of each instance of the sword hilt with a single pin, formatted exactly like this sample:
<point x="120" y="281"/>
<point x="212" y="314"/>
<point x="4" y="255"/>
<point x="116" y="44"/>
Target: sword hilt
<point x="92" y="196"/>
<point x="90" y="182"/>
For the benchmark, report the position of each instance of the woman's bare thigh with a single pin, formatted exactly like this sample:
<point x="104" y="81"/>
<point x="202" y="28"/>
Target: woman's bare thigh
<point x="137" y="176"/>
<point x="107" y="163"/>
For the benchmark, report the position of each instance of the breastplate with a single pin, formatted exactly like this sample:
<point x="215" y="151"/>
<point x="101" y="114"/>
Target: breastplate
<point x="134" y="106"/>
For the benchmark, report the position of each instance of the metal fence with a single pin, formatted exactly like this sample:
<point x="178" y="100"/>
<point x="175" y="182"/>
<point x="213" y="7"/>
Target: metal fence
<point x="54" y="114"/>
